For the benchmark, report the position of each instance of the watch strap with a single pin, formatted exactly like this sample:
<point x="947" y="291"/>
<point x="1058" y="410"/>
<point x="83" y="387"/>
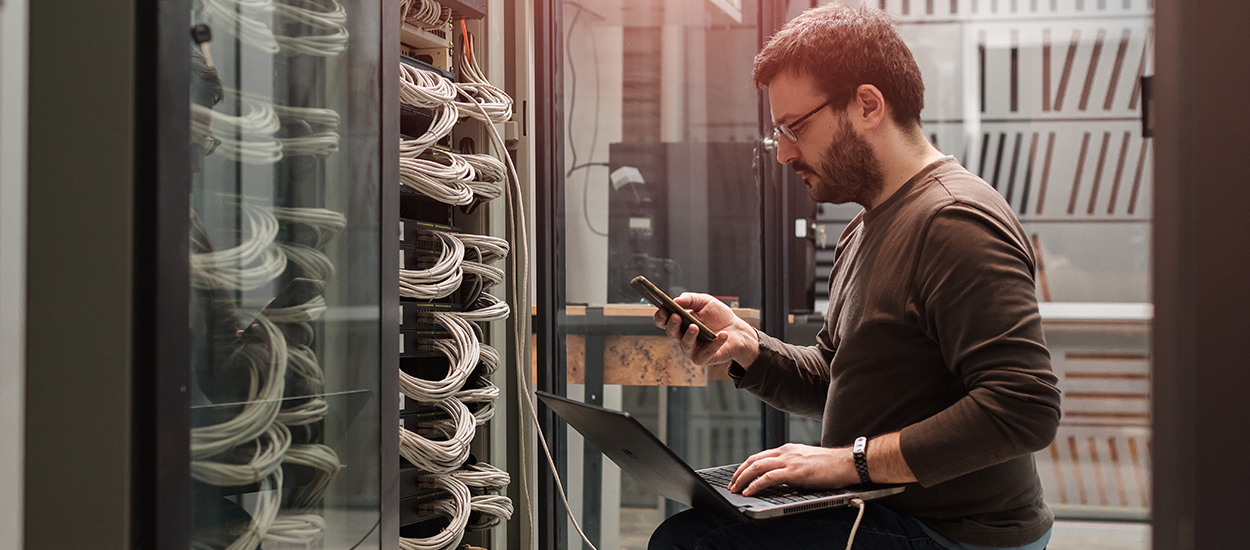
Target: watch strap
<point x="860" y="453"/>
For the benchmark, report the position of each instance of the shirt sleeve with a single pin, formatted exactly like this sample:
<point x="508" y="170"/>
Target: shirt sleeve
<point x="975" y="296"/>
<point x="791" y="378"/>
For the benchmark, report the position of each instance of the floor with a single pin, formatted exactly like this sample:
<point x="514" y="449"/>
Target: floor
<point x="637" y="523"/>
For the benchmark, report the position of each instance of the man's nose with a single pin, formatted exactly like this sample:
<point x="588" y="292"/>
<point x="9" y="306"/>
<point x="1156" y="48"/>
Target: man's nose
<point x="786" y="152"/>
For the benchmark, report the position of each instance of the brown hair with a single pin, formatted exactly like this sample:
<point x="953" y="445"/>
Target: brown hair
<point x="841" y="48"/>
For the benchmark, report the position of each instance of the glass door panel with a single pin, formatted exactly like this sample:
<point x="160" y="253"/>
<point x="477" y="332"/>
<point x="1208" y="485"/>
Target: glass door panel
<point x="285" y="304"/>
<point x="662" y="129"/>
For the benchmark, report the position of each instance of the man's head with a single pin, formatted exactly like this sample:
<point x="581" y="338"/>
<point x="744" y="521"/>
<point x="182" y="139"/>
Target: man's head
<point x="842" y="84"/>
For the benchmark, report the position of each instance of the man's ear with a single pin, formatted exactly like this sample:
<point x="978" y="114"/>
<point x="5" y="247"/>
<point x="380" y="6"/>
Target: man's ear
<point x="867" y="107"/>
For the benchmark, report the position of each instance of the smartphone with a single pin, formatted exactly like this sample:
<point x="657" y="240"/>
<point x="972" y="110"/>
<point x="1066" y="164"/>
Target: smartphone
<point x="661" y="300"/>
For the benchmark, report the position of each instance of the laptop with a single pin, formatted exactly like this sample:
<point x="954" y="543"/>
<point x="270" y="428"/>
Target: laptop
<point x="644" y="457"/>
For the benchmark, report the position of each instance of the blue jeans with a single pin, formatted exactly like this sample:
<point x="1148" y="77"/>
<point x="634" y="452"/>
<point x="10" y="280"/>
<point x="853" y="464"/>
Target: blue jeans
<point x="881" y="529"/>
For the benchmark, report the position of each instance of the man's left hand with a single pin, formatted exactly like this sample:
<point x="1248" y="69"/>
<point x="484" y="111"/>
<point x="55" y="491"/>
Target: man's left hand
<point x="798" y="466"/>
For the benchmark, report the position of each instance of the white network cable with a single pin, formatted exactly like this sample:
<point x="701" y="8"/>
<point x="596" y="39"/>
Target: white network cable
<point x="456" y="509"/>
<point x="445" y="117"/>
<point x="328" y="119"/>
<point x="261" y="408"/>
<point x="437" y="181"/>
<point x="463" y="352"/>
<point x="331" y="39"/>
<point x="489" y="175"/>
<point x="303" y="362"/>
<point x="319" y="144"/>
<point x="266" y="457"/>
<point x="302" y="313"/>
<point x="487" y="308"/>
<point x="481" y="101"/>
<point x="268" y="501"/>
<point x="246" y="20"/>
<point x="314" y="263"/>
<point x="483" y="476"/>
<point x="491" y="249"/>
<point x="439" y="280"/>
<point x="424" y="89"/>
<point x="440" y="456"/>
<point x="489" y="275"/>
<point x="321" y="458"/>
<point x="492" y="510"/>
<point x="248" y="266"/>
<point x="247" y="138"/>
<point x="325" y="222"/>
<point x="298" y="529"/>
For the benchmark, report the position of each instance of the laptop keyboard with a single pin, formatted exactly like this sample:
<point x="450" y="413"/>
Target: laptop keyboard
<point x="781" y="494"/>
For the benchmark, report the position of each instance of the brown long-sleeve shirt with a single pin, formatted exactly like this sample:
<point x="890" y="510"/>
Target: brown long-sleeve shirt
<point x="933" y="330"/>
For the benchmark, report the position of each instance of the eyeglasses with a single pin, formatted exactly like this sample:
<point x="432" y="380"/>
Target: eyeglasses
<point x="788" y="129"/>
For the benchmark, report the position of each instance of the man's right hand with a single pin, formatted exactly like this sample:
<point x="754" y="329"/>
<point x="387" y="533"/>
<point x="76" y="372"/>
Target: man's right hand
<point x="735" y="339"/>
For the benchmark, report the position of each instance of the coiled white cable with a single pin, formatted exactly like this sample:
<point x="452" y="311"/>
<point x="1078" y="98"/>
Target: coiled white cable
<point x="238" y="18"/>
<point x="325" y="222"/>
<point x="483" y="101"/>
<point x="425" y="89"/>
<point x="321" y="458"/>
<point x="221" y="268"/>
<point x="487" y="308"/>
<point x="318" y="144"/>
<point x="439" y="280"/>
<point x="436" y="181"/>
<point x="328" y="119"/>
<point x="301" y="313"/>
<point x="261" y="408"/>
<point x="266" y="457"/>
<point x="492" y="510"/>
<point x="456" y="509"/>
<point x="327" y="44"/>
<point x="440" y="456"/>
<point x="299" y="529"/>
<point x="489" y="275"/>
<point x="444" y="119"/>
<point x="314" y="263"/>
<point x="491" y="249"/>
<point x="246" y="138"/>
<point x="463" y="351"/>
<point x="268" y="501"/>
<point x="427" y="14"/>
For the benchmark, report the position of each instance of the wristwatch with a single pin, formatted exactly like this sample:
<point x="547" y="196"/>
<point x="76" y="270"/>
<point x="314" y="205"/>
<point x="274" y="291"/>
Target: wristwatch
<point x="860" y="452"/>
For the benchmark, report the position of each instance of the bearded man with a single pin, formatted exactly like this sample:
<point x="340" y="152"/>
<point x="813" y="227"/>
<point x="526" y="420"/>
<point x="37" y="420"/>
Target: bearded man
<point x="931" y="354"/>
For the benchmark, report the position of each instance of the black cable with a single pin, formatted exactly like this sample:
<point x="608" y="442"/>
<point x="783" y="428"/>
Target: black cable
<point x="366" y="537"/>
<point x="586" y="195"/>
<point x="568" y="55"/>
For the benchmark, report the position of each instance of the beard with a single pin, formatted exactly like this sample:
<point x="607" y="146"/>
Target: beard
<point x="848" y="171"/>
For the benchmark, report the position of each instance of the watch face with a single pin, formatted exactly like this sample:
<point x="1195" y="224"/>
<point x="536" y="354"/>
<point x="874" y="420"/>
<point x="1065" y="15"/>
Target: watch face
<point x="860" y="444"/>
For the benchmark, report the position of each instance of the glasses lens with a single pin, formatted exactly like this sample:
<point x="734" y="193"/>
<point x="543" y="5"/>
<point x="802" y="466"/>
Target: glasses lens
<point x="786" y="131"/>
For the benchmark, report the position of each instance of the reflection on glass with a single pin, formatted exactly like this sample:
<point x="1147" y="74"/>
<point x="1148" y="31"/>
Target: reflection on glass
<point x="284" y="275"/>
<point x="660" y="181"/>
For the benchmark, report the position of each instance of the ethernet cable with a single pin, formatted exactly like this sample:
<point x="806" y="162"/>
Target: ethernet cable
<point x="333" y="20"/>
<point x="296" y="529"/>
<point x="439" y="280"/>
<point x="314" y="263"/>
<point x="456" y="509"/>
<point x="318" y="144"/>
<point x="445" y="455"/>
<point x="266" y="457"/>
<point x="325" y="222"/>
<point x="463" y="352"/>
<point x="446" y="184"/>
<point x="321" y="458"/>
<point x="264" y="396"/>
<point x="246" y="138"/>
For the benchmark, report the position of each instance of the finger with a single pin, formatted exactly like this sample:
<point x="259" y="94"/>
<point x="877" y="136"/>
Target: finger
<point x="749" y="469"/>
<point x="757" y="469"/>
<point x="703" y="354"/>
<point x="673" y="328"/>
<point x="660" y="318"/>
<point x="771" y="478"/>
<point x="690" y="338"/>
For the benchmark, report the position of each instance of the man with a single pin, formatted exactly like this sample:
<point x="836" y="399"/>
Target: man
<point x="932" y="347"/>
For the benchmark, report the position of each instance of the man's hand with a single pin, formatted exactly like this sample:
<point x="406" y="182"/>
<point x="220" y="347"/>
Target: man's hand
<point x="798" y="466"/>
<point x="821" y="467"/>
<point x="735" y="339"/>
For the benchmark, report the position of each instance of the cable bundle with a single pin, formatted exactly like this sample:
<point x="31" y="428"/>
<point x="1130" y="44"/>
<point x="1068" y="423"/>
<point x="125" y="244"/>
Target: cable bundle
<point x="484" y="482"/>
<point x="243" y="18"/>
<point x="264" y="396"/>
<point x="440" y="175"/>
<point x="300" y="529"/>
<point x="482" y="100"/>
<point x="463" y="352"/>
<point x="229" y="268"/>
<point x="427" y="14"/>
<point x="440" y="456"/>
<point x="248" y="138"/>
<point x="439" y="280"/>
<point x="456" y="509"/>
